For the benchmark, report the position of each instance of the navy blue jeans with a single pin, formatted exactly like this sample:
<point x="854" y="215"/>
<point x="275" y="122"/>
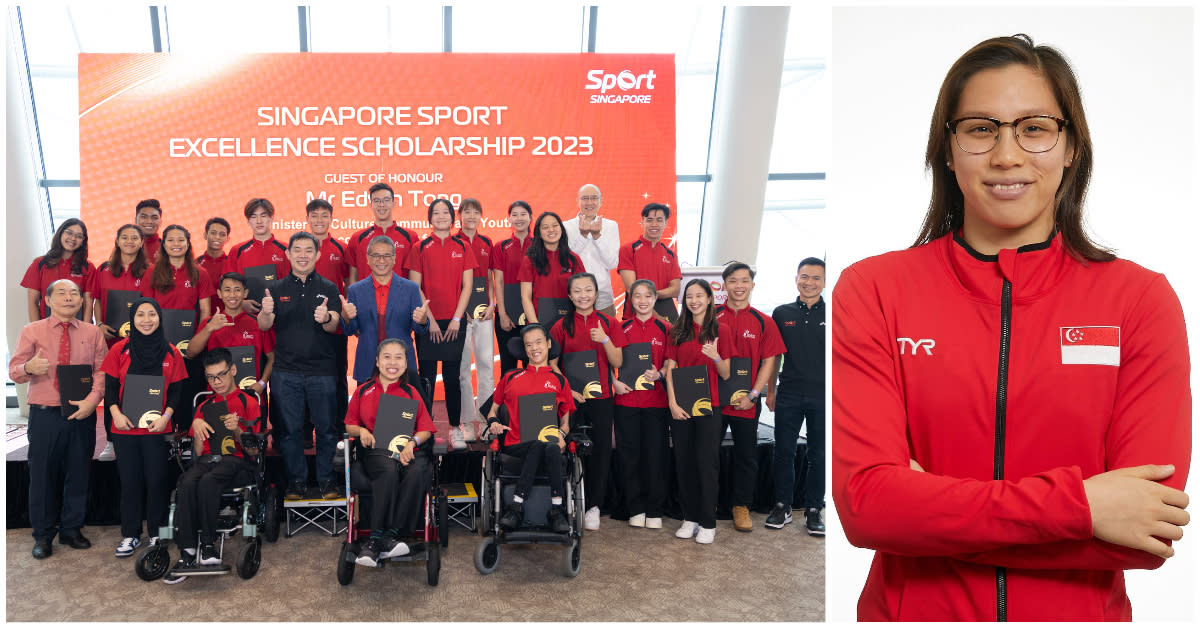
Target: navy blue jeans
<point x="292" y="392"/>
<point x="59" y="450"/>
<point x="791" y="411"/>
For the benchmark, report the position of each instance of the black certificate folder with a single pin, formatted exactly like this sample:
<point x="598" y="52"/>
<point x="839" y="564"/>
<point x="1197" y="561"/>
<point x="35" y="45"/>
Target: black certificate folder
<point x="512" y="303"/>
<point x="738" y="385"/>
<point x="179" y="326"/>
<point x="258" y="278"/>
<point x="583" y="373"/>
<point x="246" y="361"/>
<point x="635" y="361"/>
<point x="550" y="310"/>
<point x="539" y="420"/>
<point x="395" y="421"/>
<point x="691" y="390"/>
<point x="143" y="399"/>
<point x="478" y="302"/>
<point x="221" y="441"/>
<point x="74" y="383"/>
<point x="116" y="309"/>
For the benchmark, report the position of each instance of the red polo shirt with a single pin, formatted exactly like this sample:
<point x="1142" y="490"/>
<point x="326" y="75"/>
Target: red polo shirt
<point x="689" y="353"/>
<point x="530" y="380"/>
<point x="506" y="257"/>
<point x="552" y="285"/>
<point x="755" y="336"/>
<point x="582" y="341"/>
<point x="152" y="245"/>
<point x="654" y="332"/>
<point x="215" y="267"/>
<point x="101" y="281"/>
<point x="441" y="262"/>
<point x="39" y="277"/>
<point x="655" y="262"/>
<point x="382" y="290"/>
<point x="356" y="247"/>
<point x="185" y="295"/>
<point x="364" y="404"/>
<point x="116" y="363"/>
<point x="253" y="253"/>
<point x="333" y="264"/>
<point x="239" y="403"/>
<point x="481" y="245"/>
<point x="243" y="333"/>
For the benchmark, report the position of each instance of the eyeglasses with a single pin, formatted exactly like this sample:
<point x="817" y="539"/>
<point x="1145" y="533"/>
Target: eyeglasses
<point x="74" y="235"/>
<point x="591" y="199"/>
<point x="382" y="201"/>
<point x="1034" y="134"/>
<point x="381" y="256"/>
<point x="219" y="376"/>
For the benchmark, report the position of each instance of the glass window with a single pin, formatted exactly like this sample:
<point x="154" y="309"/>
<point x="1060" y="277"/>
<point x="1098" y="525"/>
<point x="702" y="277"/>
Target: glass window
<point x="803" y="141"/>
<point x="54" y="35"/>
<point x="57" y="99"/>
<point x="794" y="226"/>
<point x="353" y="28"/>
<point x="503" y="27"/>
<point x="246" y="27"/>
<point x="689" y="197"/>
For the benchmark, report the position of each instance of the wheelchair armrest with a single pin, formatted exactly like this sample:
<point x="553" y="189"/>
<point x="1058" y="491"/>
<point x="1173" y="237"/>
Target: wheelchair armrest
<point x="250" y="440"/>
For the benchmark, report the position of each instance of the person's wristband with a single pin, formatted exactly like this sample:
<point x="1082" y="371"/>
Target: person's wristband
<point x="754" y="395"/>
<point x="417" y="440"/>
<point x="456" y="319"/>
<point x="262" y="384"/>
<point x="716" y="360"/>
<point x="606" y="339"/>
<point x="328" y="320"/>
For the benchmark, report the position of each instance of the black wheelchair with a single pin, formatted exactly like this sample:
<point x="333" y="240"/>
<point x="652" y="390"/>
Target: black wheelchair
<point x="253" y="509"/>
<point x="428" y="540"/>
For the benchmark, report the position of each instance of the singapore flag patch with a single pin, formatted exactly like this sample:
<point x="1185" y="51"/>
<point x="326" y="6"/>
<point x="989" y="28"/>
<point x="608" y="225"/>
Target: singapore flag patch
<point x="1090" y="345"/>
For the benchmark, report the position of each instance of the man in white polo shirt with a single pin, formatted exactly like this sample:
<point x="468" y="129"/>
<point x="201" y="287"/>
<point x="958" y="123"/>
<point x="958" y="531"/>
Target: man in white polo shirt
<point x="596" y="241"/>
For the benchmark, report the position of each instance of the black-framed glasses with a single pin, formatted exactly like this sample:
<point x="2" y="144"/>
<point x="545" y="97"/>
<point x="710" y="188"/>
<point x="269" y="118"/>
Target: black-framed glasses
<point x="1035" y="134"/>
<point x="383" y="201"/>
<point x="219" y="376"/>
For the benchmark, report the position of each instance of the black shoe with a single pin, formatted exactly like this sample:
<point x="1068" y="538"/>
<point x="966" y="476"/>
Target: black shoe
<point x="331" y="490"/>
<point x="368" y="556"/>
<point x="812" y="522"/>
<point x="514" y="515"/>
<point x="295" y="490"/>
<point x="77" y="542"/>
<point x="557" y="518"/>
<point x="209" y="555"/>
<point x="42" y="548"/>
<point x="780" y="516"/>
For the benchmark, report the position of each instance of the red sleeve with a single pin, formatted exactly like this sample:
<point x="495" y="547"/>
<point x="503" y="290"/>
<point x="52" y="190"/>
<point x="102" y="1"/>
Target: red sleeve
<point x="412" y="262"/>
<point x="424" y="421"/>
<point x="33" y="277"/>
<point x="231" y="261"/>
<point x="204" y="286"/>
<point x="526" y="272"/>
<point x="671" y="352"/>
<point x="92" y="286"/>
<point x="579" y="267"/>
<point x="112" y="362"/>
<point x="676" y="273"/>
<point x="558" y="334"/>
<point x="772" y="344"/>
<point x="566" y="401"/>
<point x="724" y="342"/>
<point x="872" y="480"/>
<point x="354" y="409"/>
<point x="148" y="284"/>
<point x="616" y="333"/>
<point x="253" y="414"/>
<point x="267" y="340"/>
<point x="178" y="372"/>
<point x="352" y="252"/>
<point x="498" y="391"/>
<point x="625" y="257"/>
<point x="496" y="258"/>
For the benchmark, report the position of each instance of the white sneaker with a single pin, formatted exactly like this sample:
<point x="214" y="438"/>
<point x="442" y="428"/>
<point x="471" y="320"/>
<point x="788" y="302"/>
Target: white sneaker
<point x="108" y="455"/>
<point x="638" y="521"/>
<point x="654" y="523"/>
<point x="706" y="535"/>
<point x="687" y="530"/>
<point x="399" y="549"/>
<point x="591" y="518"/>
<point x="154" y="541"/>
<point x="457" y="438"/>
<point x="128" y="545"/>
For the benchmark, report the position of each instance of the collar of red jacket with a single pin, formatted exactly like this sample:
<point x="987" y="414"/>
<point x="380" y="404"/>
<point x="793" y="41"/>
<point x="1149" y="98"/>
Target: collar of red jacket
<point x="1033" y="269"/>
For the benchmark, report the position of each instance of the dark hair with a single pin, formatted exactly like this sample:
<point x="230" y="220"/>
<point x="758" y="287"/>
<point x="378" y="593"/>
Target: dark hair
<point x="682" y="331"/>
<point x="217" y="220"/>
<point x="469" y="202"/>
<point x="733" y="267"/>
<point x="640" y="282"/>
<point x="810" y="261"/>
<point x="945" y="214"/>
<point x="138" y="267"/>
<point x="380" y="186"/>
<point x="151" y="203"/>
<point x="449" y="206"/>
<point x="538" y="254"/>
<point x="254" y="203"/>
<point x="317" y="203"/>
<point x="656" y="207"/>
<point x="235" y="276"/>
<point x="164" y="274"/>
<point x="568" y="321"/>
<point x="304" y="235"/>
<point x="521" y="204"/>
<point x="218" y="355"/>
<point x="55" y="255"/>
<point x="532" y="327"/>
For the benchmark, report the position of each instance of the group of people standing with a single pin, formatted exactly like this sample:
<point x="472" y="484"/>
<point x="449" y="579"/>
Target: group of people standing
<point x="295" y="303"/>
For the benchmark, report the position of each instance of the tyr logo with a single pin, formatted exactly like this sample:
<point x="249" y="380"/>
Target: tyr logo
<point x="924" y="343"/>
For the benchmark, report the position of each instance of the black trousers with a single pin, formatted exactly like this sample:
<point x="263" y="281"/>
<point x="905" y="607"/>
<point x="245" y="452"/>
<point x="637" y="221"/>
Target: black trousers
<point x="397" y="491"/>
<point x="59" y="452"/>
<point x="534" y="453"/>
<point x="597" y="413"/>
<point x="198" y="496"/>
<point x="142" y="465"/>
<point x="745" y="460"/>
<point x="697" y="444"/>
<point x="507" y="361"/>
<point x="642" y="445"/>
<point x="428" y="370"/>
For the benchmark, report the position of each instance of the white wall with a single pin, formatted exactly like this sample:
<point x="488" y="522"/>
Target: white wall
<point x="1136" y="68"/>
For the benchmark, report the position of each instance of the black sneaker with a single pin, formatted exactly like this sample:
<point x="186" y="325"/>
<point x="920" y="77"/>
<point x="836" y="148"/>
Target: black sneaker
<point x="295" y="490"/>
<point x="186" y="561"/>
<point x="209" y="555"/>
<point x="368" y="556"/>
<point x="557" y="517"/>
<point x="513" y="515"/>
<point x="780" y="516"/>
<point x="812" y="522"/>
<point x="331" y="490"/>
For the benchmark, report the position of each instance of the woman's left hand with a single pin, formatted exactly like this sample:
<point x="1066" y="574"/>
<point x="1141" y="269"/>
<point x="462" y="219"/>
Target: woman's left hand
<point x="709" y="349"/>
<point x="451" y="331"/>
<point x="161" y="423"/>
<point x="406" y="454"/>
<point x="578" y="397"/>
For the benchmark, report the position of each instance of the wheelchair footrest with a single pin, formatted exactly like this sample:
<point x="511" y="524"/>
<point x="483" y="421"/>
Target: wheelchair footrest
<point x="535" y="536"/>
<point x="201" y="570"/>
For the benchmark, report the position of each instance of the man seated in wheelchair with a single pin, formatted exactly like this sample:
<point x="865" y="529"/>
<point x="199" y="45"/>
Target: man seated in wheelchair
<point x="537" y="450"/>
<point x="400" y="471"/>
<point x="216" y="467"/>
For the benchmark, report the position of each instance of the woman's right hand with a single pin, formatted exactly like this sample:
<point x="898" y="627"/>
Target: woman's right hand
<point x="109" y="332"/>
<point x="120" y="421"/>
<point x="621" y="388"/>
<point x="505" y="322"/>
<point x="497" y="429"/>
<point x="679" y="414"/>
<point x="1129" y="508"/>
<point x="366" y="438"/>
<point x="435" y="332"/>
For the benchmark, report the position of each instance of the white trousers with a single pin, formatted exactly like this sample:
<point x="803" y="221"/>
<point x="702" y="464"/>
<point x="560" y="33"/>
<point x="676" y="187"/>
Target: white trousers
<point x="481" y="341"/>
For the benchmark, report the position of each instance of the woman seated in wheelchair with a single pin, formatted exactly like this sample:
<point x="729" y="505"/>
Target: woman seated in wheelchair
<point x="398" y="481"/>
<point x="198" y="497"/>
<point x="537" y="377"/>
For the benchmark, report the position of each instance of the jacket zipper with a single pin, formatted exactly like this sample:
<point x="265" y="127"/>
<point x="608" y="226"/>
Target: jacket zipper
<point x="1001" y="411"/>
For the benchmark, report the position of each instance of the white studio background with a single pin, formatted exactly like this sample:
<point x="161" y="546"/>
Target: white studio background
<point x="1136" y="69"/>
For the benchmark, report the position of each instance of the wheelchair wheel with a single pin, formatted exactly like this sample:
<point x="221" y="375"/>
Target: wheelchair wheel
<point x="571" y="558"/>
<point x="248" y="559"/>
<point x="345" y="568"/>
<point x="487" y="556"/>
<point x="433" y="564"/>
<point x="152" y="563"/>
<point x="443" y="518"/>
<point x="271" y="521"/>
<point x="486" y="512"/>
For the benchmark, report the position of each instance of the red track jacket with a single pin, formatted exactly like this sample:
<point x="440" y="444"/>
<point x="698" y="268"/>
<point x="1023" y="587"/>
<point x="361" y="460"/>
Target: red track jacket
<point x="1010" y="379"/>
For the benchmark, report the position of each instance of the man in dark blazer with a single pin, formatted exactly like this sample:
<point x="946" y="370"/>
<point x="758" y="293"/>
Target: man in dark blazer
<point x="403" y="312"/>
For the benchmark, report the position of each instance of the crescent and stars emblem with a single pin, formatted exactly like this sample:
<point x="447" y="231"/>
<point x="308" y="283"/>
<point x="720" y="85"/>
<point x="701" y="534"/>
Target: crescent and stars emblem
<point x="642" y="383"/>
<point x="247" y="382"/>
<point x="702" y="407"/>
<point x="521" y="320"/>
<point x="183" y="344"/>
<point x="124" y="333"/>
<point x="148" y="418"/>
<point x="592" y="390"/>
<point x="399" y="443"/>
<point x="549" y="434"/>
<point x="1074" y="334"/>
<point x="738" y="394"/>
<point x="228" y="447"/>
<point x="479" y="310"/>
